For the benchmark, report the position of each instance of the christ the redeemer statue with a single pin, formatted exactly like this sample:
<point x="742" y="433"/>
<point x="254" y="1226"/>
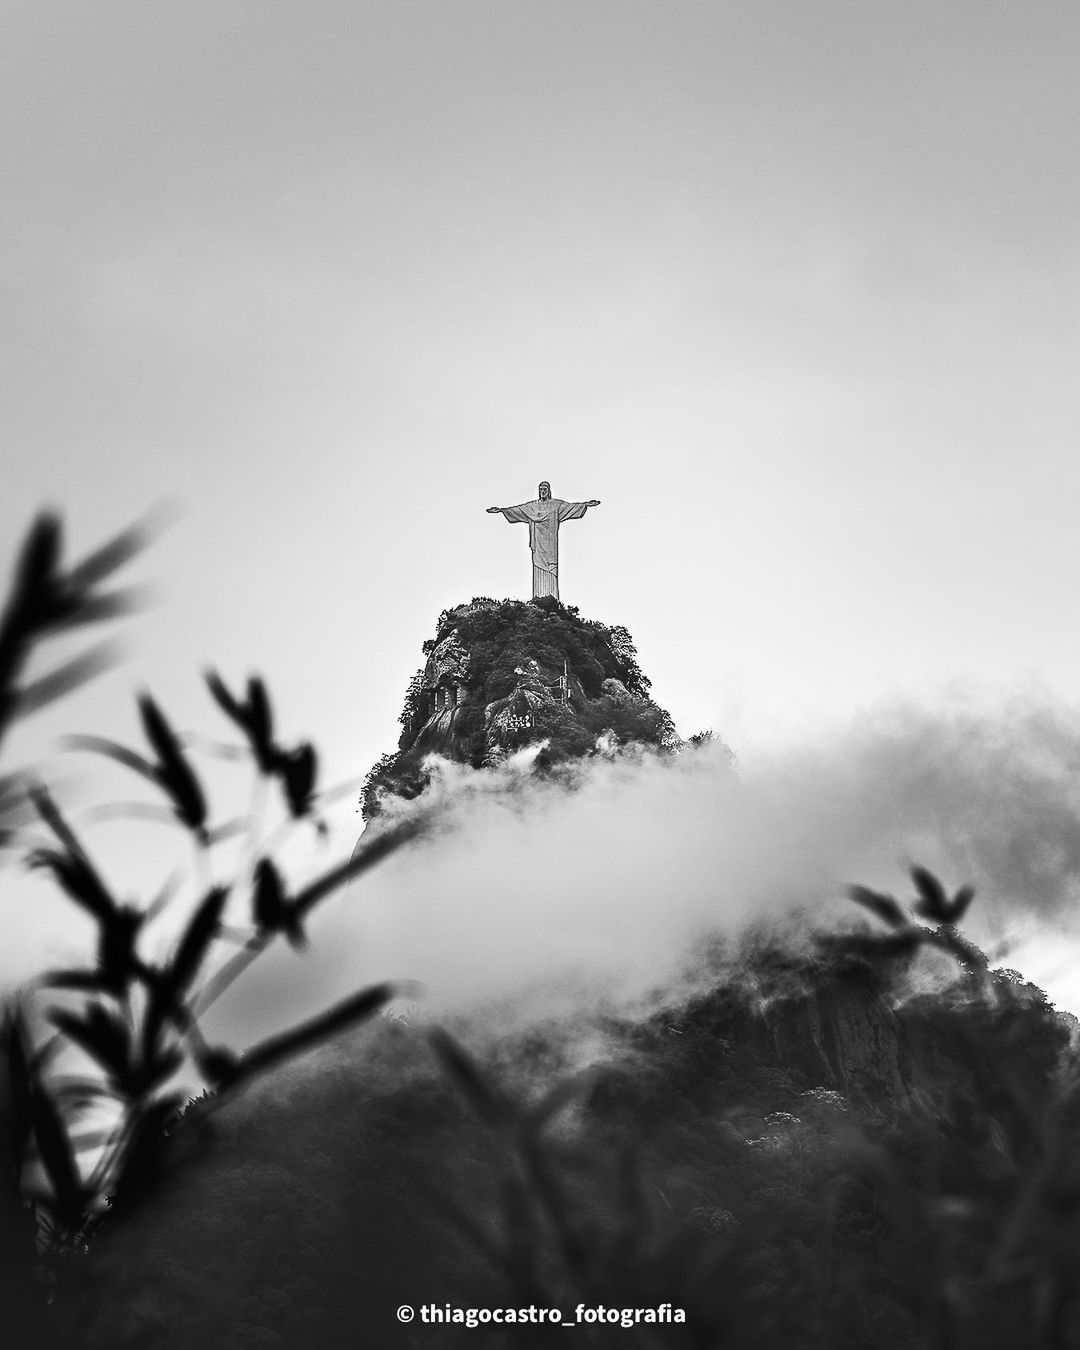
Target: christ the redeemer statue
<point x="543" y="517"/>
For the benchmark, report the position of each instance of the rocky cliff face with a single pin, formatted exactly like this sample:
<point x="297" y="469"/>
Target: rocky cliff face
<point x="773" y="1033"/>
<point x="845" y="1036"/>
<point x="500" y="675"/>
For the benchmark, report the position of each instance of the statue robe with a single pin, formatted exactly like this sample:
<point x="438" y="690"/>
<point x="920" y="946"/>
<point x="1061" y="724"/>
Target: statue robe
<point x="543" y="519"/>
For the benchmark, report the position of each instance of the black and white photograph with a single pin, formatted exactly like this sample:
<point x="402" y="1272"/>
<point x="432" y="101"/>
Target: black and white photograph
<point x="539" y="686"/>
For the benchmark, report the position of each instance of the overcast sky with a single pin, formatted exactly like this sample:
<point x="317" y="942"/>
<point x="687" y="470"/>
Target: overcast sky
<point x="791" y="287"/>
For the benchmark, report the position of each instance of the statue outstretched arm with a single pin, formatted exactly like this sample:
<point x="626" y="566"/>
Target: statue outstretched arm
<point x="514" y="514"/>
<point x="575" y="510"/>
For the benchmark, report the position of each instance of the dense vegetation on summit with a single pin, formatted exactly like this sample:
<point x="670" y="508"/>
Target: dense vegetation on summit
<point x="607" y="695"/>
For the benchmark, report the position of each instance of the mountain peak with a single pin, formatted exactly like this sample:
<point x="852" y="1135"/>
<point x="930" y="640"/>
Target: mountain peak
<point x="503" y="674"/>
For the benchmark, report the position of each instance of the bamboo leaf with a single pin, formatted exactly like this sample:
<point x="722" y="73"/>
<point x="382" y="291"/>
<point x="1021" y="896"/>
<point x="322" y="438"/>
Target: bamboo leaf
<point x="77" y="879"/>
<point x="961" y="900"/>
<point x="348" y="1013"/>
<point x="25" y="611"/>
<point x="883" y="906"/>
<point x="200" y="933"/>
<point x="225" y="701"/>
<point x="933" y="902"/>
<point x="364" y="857"/>
<point x="488" y="1104"/>
<point x="90" y="1139"/>
<point x="76" y="1091"/>
<point x="118" y="961"/>
<point x="261" y="723"/>
<point x="60" y="682"/>
<point x="87" y="609"/>
<point x="40" y="557"/>
<point x="83" y="980"/>
<point x="161" y="1006"/>
<point x="109" y="557"/>
<point x="35" y="576"/>
<point x="174" y="773"/>
<point x="217" y="1065"/>
<point x="297" y="769"/>
<point x="271" y="911"/>
<point x="100" y="745"/>
<point x="57" y="1157"/>
<point x="160" y="815"/>
<point x="229" y="830"/>
<point x="155" y="1070"/>
<point x="268" y="897"/>
<point x="18" y="1057"/>
<point x="76" y="870"/>
<point x="253" y="717"/>
<point x="101" y="1034"/>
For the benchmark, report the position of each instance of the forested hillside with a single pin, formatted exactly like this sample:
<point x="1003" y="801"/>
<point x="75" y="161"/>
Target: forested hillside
<point x="808" y="1155"/>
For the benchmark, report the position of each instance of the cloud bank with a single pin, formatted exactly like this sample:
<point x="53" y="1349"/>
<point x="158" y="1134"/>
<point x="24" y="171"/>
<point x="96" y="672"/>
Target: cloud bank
<point x="533" y="896"/>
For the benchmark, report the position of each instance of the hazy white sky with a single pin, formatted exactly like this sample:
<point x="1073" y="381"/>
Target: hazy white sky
<point x="792" y="287"/>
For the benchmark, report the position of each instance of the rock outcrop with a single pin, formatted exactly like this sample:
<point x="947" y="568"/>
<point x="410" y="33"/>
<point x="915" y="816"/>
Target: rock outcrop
<point x="501" y="675"/>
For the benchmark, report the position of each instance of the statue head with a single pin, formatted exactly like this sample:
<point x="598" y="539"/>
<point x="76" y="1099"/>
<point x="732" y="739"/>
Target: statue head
<point x="545" y="491"/>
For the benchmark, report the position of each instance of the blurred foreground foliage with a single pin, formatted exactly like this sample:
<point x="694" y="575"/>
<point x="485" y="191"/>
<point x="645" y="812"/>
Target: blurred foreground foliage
<point x="865" y="1144"/>
<point x="94" y="1060"/>
<point x="804" y="1162"/>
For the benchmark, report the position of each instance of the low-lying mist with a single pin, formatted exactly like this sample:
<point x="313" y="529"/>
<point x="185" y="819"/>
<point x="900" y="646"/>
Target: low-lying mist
<point x="529" y="898"/>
